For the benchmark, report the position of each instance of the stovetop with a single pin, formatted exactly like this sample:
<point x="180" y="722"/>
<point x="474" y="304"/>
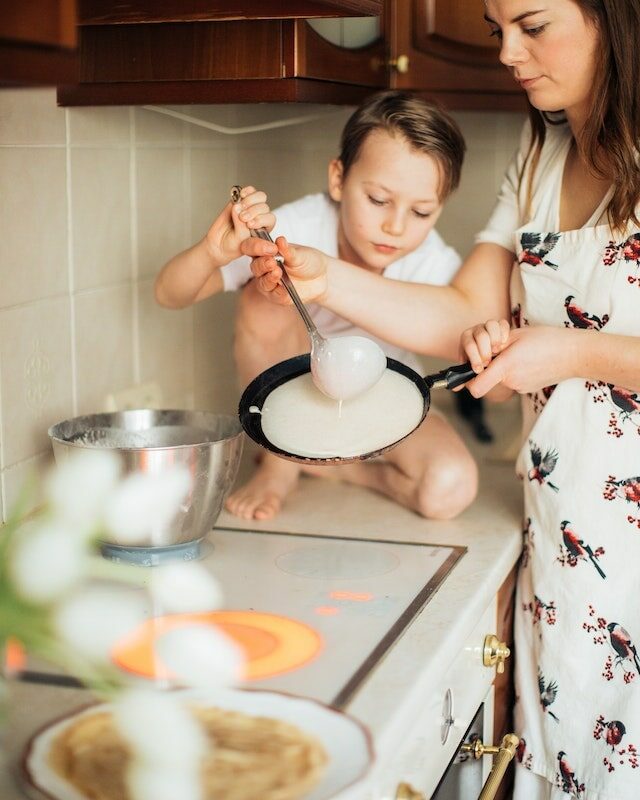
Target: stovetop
<point x="314" y="614"/>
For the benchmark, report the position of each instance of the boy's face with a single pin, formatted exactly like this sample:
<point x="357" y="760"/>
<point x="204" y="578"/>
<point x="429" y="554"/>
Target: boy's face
<point x="388" y="201"/>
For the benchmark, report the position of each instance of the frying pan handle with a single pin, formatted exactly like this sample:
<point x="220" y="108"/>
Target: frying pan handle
<point x="451" y="377"/>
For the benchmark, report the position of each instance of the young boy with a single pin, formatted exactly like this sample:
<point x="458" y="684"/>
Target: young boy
<point x="400" y="159"/>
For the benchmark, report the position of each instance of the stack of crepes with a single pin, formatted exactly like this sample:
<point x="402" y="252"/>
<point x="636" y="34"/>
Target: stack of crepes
<point x="251" y="757"/>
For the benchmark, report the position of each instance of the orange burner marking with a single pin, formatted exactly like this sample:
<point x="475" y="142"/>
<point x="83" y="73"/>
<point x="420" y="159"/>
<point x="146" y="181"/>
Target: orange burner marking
<point x="272" y="644"/>
<point x="15" y="658"/>
<point x="327" y="611"/>
<point x="357" y="597"/>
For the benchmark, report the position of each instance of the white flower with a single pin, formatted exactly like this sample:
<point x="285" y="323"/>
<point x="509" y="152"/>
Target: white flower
<point x="183" y="588"/>
<point x="94" y="619"/>
<point x="158" y="782"/>
<point x="78" y="488"/>
<point x="161" y="730"/>
<point x="46" y="561"/>
<point x="144" y="504"/>
<point x="201" y="656"/>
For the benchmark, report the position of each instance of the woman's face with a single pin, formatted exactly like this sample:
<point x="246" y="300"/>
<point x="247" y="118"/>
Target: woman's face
<point x="551" y="47"/>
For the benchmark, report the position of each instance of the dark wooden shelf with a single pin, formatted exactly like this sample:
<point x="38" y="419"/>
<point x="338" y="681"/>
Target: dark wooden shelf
<point x="275" y="90"/>
<point x="105" y="12"/>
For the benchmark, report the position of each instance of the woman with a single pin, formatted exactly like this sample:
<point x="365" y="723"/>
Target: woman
<point x="568" y="214"/>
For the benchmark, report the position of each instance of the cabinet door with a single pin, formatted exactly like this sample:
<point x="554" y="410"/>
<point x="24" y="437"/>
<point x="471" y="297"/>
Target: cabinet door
<point x="37" y="42"/>
<point x="343" y="51"/>
<point x="449" y="53"/>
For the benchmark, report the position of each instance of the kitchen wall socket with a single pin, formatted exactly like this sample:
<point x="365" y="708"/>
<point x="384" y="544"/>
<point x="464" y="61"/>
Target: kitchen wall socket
<point x="142" y="395"/>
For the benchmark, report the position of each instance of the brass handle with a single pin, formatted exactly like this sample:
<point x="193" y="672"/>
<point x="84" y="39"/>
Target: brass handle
<point x="406" y="792"/>
<point x="495" y="652"/>
<point x="400" y="64"/>
<point x="503" y="756"/>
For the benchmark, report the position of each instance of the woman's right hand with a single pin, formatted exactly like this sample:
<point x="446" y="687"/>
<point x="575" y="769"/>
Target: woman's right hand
<point x="235" y="222"/>
<point x="306" y="266"/>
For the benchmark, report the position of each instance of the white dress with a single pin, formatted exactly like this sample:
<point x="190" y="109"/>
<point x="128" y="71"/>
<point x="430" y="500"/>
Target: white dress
<point x="577" y="603"/>
<point x="313" y="221"/>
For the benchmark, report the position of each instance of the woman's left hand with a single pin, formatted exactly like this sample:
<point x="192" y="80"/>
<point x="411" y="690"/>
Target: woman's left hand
<point x="531" y="358"/>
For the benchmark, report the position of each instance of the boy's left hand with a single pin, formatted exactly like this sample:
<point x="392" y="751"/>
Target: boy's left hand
<point x="235" y="222"/>
<point x="530" y="359"/>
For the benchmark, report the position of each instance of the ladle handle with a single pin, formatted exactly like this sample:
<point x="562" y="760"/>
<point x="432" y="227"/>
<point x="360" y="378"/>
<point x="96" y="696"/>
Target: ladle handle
<point x="451" y="377"/>
<point x="263" y="233"/>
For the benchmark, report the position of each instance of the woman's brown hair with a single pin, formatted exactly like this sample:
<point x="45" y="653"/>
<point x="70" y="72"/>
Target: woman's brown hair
<point x="425" y="126"/>
<point x="609" y="139"/>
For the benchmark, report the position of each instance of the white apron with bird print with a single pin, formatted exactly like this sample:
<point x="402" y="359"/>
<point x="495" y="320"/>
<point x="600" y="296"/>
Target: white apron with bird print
<point x="578" y="599"/>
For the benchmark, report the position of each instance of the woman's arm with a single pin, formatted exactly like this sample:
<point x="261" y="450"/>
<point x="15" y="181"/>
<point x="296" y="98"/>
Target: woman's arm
<point x="420" y="317"/>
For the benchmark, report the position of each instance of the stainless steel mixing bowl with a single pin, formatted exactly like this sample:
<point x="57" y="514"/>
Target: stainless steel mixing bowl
<point x="150" y="440"/>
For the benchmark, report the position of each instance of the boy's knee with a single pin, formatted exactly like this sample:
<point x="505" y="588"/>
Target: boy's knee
<point x="447" y="486"/>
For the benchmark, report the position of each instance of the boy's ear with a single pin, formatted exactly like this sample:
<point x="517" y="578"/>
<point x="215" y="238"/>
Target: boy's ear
<point x="335" y="180"/>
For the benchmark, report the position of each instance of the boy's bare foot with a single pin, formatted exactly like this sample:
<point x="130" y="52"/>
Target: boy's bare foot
<point x="263" y="495"/>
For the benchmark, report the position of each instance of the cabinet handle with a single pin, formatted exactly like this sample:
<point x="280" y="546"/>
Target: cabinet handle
<point x="406" y="792"/>
<point x="503" y="755"/>
<point x="494" y="652"/>
<point x="400" y="64"/>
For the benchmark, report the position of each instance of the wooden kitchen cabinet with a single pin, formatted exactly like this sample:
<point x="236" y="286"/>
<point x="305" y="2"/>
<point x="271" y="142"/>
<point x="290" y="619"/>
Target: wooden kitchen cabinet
<point x="199" y="52"/>
<point x="38" y="42"/>
<point x="212" y="51"/>
<point x="218" y="62"/>
<point x="446" y="52"/>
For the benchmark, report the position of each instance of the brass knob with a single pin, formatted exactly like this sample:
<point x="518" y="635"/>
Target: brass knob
<point x="495" y="652"/>
<point x="400" y="64"/>
<point x="503" y="755"/>
<point x="407" y="792"/>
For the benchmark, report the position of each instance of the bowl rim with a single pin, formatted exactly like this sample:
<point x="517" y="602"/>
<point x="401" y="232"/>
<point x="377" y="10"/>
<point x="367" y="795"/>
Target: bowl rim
<point x="54" y="432"/>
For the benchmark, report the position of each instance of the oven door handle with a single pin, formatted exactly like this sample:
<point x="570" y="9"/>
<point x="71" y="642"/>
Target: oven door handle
<point x="503" y="757"/>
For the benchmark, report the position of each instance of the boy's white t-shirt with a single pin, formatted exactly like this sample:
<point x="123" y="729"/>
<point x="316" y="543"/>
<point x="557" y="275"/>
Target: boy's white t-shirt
<point x="313" y="221"/>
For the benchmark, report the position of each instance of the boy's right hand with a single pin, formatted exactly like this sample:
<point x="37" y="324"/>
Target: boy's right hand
<point x="235" y="222"/>
<point x="306" y="266"/>
<point x="482" y="342"/>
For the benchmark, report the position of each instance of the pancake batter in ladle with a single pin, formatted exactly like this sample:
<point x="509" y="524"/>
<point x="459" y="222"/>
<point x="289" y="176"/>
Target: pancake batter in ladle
<point x="342" y="367"/>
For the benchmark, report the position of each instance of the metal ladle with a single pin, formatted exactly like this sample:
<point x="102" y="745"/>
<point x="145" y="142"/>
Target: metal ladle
<point x="341" y="367"/>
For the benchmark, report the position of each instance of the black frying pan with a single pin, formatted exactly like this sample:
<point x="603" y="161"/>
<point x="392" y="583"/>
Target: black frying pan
<point x="261" y="387"/>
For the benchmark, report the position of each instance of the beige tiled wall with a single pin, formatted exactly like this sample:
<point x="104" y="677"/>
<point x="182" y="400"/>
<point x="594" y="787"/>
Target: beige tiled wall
<point x="92" y="203"/>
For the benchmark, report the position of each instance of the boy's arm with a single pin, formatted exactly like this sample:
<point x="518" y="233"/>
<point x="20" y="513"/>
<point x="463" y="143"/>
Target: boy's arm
<point x="194" y="274"/>
<point x="189" y="277"/>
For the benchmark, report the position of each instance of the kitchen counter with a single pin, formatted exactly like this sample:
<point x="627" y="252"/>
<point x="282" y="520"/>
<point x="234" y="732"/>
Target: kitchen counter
<point x="490" y="530"/>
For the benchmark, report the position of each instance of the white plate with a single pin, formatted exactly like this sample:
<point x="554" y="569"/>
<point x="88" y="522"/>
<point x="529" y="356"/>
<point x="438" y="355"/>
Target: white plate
<point x="346" y="741"/>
